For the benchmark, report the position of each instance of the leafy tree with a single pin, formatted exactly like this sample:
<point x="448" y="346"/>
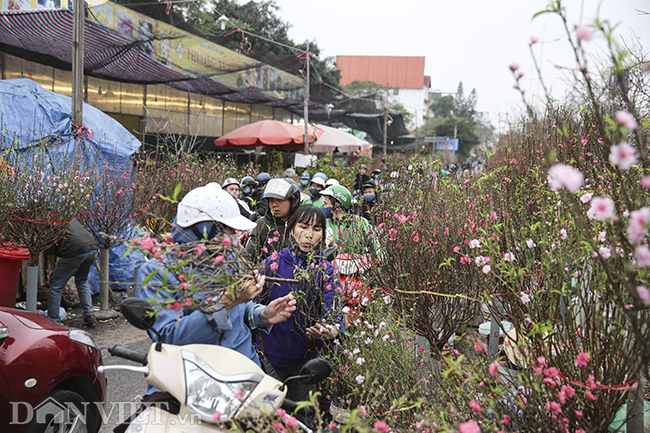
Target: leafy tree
<point x="465" y="107"/>
<point x="443" y="106"/>
<point x="465" y="131"/>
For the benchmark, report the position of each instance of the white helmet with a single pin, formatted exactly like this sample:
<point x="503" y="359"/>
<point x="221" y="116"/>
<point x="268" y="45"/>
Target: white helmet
<point x="230" y="181"/>
<point x="211" y="203"/>
<point x="394" y="175"/>
<point x="331" y="182"/>
<point x="319" y="181"/>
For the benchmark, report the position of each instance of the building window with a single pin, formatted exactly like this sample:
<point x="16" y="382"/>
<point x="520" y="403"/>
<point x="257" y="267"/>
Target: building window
<point x="395" y="92"/>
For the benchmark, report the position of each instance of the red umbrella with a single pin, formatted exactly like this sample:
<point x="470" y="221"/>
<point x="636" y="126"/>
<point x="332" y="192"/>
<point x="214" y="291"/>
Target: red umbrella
<point x="266" y="133"/>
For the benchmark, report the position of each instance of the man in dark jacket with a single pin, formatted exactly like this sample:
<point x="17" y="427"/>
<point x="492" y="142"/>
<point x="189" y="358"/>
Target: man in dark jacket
<point x="77" y="252"/>
<point x="361" y="178"/>
<point x="367" y="203"/>
<point x="283" y="196"/>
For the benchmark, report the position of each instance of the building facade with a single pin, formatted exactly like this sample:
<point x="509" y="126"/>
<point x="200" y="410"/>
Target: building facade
<point x="404" y="76"/>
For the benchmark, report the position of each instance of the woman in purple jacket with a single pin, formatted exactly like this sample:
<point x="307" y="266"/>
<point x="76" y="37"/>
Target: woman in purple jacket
<point x="292" y="343"/>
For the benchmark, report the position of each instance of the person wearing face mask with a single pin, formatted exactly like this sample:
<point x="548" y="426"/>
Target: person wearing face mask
<point x="368" y="203"/>
<point x="231" y="186"/>
<point x="361" y="178"/>
<point x="247" y="187"/>
<point x="304" y="185"/>
<point x="351" y="233"/>
<point x="261" y="205"/>
<point x="317" y="185"/>
<point x="283" y="197"/>
<point x="209" y="215"/>
<point x="290" y="345"/>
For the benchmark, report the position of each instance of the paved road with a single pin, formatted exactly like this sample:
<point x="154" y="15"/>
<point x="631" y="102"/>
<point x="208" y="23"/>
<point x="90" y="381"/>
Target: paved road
<point x="124" y="388"/>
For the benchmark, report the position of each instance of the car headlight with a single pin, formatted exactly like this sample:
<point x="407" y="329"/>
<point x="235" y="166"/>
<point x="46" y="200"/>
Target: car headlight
<point x="82" y="337"/>
<point x="213" y="396"/>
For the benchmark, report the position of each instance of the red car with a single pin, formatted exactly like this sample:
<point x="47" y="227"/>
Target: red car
<point x="48" y="376"/>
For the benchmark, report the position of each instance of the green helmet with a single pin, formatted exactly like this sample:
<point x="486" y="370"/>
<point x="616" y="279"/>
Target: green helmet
<point x="340" y="193"/>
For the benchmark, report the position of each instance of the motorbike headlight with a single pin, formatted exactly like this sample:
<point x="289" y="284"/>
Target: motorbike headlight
<point x="213" y="396"/>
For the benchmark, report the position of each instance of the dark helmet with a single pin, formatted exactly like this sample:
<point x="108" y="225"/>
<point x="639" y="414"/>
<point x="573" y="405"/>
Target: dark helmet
<point x="263" y="178"/>
<point x="284" y="189"/>
<point x="363" y="166"/>
<point x="369" y="184"/>
<point x="248" y="181"/>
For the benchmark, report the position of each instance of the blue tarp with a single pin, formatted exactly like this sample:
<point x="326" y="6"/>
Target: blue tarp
<point x="32" y="114"/>
<point x="29" y="114"/>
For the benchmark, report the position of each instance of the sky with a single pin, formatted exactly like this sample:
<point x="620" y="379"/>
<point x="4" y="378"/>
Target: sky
<point x="473" y="41"/>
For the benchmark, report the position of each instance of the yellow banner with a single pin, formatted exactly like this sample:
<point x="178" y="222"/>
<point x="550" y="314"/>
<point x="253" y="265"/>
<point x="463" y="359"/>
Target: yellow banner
<point x="186" y="53"/>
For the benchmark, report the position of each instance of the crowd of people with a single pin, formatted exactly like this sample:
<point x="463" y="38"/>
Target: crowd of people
<point x="285" y="229"/>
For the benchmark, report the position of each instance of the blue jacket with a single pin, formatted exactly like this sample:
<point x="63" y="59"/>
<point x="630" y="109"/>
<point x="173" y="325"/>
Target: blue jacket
<point x="231" y="330"/>
<point x="287" y="343"/>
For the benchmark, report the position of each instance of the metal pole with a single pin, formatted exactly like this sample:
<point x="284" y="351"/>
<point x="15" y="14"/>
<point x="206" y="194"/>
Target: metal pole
<point x="385" y="121"/>
<point x="635" y="408"/>
<point x="77" y="62"/>
<point x="103" y="282"/>
<point x="306" y="102"/>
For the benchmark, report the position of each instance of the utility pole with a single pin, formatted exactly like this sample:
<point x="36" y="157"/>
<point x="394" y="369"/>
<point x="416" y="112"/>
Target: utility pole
<point x="385" y="121"/>
<point x="78" y="61"/>
<point x="306" y="102"/>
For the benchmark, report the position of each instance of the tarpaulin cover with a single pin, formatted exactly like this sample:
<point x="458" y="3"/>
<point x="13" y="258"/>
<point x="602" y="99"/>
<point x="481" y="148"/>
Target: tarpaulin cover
<point x="30" y="115"/>
<point x="373" y="124"/>
<point x="121" y="270"/>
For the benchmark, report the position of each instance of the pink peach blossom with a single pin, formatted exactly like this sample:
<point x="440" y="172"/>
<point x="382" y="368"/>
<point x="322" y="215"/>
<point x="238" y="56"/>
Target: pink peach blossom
<point x="525" y="298"/>
<point x="513" y="66"/>
<point x="469" y="427"/>
<point x="494" y="367"/>
<point x="584" y="33"/>
<point x="642" y="255"/>
<point x="562" y="176"/>
<point x="582" y="359"/>
<point x="586" y="198"/>
<point x="626" y="119"/>
<point x="605" y="252"/>
<point x="644" y="294"/>
<point x="602" y="209"/>
<point x="380" y="426"/>
<point x="622" y="155"/>
<point x="645" y="182"/>
<point x="637" y="225"/>
<point x="509" y="257"/>
<point x="487" y="269"/>
<point x="534" y="39"/>
<point x="475" y="406"/>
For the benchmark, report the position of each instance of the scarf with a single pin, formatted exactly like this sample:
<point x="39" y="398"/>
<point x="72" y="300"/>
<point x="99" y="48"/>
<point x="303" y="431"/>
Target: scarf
<point x="305" y="255"/>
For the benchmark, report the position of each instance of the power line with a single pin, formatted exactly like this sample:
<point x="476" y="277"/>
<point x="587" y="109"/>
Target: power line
<point x="159" y="3"/>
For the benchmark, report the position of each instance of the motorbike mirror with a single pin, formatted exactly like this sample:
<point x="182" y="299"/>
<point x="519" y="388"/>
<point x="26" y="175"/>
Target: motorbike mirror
<point x="330" y="253"/>
<point x="315" y="371"/>
<point x="138" y="312"/>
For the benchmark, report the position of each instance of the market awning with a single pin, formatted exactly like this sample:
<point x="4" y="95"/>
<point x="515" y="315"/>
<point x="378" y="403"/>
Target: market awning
<point x="112" y="55"/>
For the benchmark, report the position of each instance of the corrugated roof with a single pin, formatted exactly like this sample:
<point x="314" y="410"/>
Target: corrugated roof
<point x="391" y="71"/>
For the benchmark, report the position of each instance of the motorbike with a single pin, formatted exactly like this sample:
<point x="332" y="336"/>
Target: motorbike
<point x="210" y="385"/>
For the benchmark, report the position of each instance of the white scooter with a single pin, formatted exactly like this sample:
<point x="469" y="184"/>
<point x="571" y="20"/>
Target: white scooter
<point x="213" y="384"/>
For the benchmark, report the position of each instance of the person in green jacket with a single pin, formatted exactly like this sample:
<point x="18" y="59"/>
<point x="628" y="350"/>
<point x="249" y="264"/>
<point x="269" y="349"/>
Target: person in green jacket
<point x="351" y="233"/>
<point x="317" y="186"/>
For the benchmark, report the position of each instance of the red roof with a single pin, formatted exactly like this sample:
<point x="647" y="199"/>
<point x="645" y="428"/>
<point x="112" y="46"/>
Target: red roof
<point x="391" y="71"/>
